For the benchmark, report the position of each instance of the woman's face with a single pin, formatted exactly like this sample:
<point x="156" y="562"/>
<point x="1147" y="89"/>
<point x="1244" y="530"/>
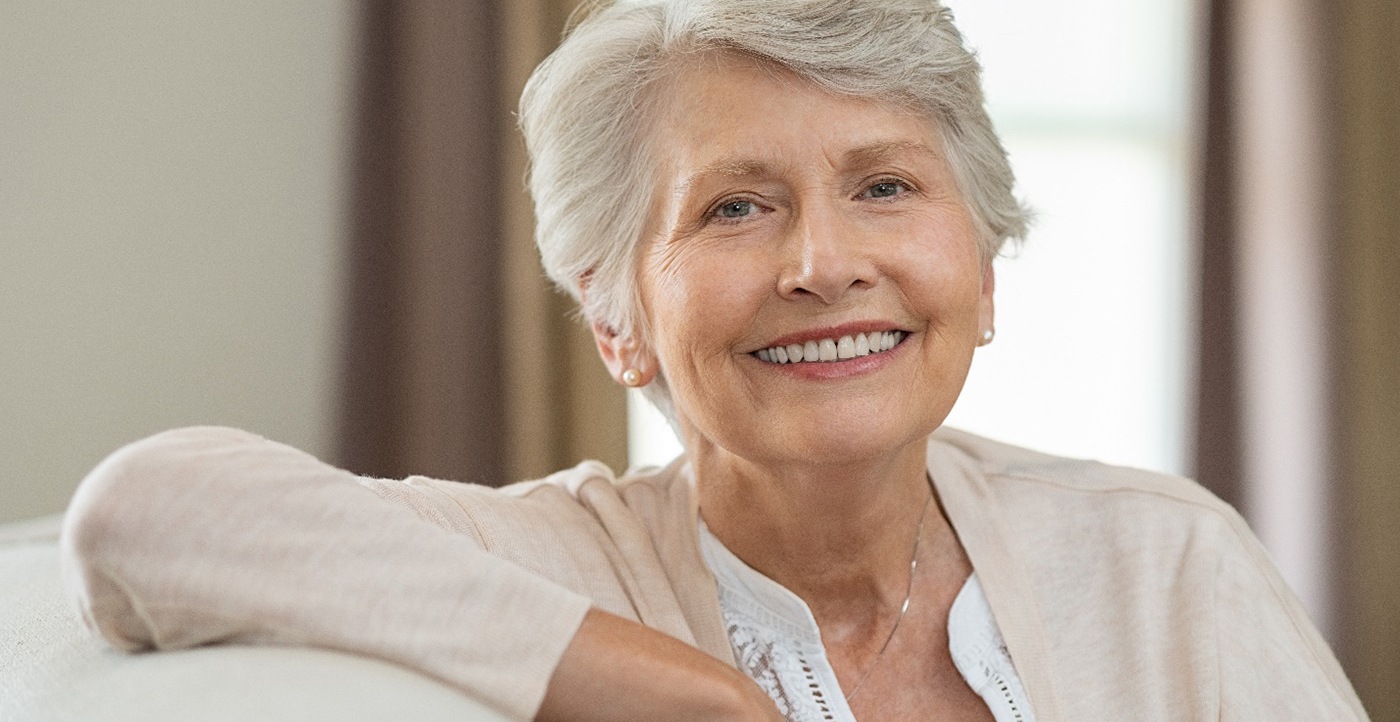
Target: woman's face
<point x="788" y="217"/>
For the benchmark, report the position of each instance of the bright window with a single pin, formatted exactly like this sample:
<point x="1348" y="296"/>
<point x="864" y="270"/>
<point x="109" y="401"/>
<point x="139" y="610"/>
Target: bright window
<point x="1092" y="98"/>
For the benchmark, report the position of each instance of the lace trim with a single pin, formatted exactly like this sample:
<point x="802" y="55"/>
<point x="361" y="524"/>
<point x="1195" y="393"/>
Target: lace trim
<point x="773" y="665"/>
<point x="981" y="656"/>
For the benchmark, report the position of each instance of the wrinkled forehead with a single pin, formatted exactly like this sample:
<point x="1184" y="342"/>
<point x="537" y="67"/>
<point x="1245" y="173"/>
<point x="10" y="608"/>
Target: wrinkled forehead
<point x="720" y="108"/>
<point x="670" y="96"/>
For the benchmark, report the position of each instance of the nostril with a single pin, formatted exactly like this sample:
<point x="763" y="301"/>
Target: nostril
<point x="827" y="274"/>
<point x="826" y="292"/>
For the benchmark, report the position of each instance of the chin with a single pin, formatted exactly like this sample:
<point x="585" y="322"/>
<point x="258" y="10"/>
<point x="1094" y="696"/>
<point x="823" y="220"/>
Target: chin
<point x="854" y="441"/>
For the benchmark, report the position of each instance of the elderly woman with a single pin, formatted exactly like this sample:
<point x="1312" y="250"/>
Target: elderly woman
<point x="779" y="218"/>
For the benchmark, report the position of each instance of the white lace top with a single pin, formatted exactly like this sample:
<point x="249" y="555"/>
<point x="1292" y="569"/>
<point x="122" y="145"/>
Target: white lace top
<point x="777" y="642"/>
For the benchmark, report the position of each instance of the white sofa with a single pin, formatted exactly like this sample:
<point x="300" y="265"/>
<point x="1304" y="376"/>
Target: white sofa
<point x="52" y="671"/>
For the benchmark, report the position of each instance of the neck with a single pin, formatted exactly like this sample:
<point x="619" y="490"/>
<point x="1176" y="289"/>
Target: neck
<point x="837" y="535"/>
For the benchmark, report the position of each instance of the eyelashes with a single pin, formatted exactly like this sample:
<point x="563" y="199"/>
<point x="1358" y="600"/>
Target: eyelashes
<point x="887" y="188"/>
<point x="733" y="210"/>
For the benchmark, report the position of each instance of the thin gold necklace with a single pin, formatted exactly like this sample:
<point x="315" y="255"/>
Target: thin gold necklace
<point x="903" y="608"/>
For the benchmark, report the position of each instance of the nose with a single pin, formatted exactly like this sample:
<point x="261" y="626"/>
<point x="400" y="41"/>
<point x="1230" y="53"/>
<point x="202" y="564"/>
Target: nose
<point x="824" y="255"/>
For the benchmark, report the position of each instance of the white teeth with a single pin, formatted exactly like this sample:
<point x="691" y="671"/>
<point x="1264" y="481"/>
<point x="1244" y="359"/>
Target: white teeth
<point x="827" y="349"/>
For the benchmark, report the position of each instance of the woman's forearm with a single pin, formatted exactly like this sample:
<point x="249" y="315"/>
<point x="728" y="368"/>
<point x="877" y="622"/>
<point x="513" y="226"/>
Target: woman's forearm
<point x="616" y="670"/>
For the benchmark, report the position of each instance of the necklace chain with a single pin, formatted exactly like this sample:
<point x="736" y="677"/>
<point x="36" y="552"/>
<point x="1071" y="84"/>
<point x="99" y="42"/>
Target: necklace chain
<point x="903" y="608"/>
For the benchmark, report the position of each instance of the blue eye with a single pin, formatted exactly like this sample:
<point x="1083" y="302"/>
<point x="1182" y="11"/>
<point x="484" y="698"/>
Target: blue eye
<point x="884" y="189"/>
<point x="735" y="209"/>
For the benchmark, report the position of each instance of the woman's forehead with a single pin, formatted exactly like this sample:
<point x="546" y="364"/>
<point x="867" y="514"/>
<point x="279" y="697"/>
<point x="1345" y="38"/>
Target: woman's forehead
<point x="734" y="115"/>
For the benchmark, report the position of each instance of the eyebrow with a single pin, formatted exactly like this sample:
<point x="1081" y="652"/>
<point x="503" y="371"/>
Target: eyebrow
<point x="871" y="154"/>
<point x="882" y="152"/>
<point x="727" y="169"/>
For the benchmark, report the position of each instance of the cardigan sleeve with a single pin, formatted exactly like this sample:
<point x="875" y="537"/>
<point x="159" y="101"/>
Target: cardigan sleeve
<point x="1273" y="663"/>
<point x="209" y="535"/>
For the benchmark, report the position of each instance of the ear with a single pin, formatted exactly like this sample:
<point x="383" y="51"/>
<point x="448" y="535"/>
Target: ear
<point x="622" y="354"/>
<point x="986" y="310"/>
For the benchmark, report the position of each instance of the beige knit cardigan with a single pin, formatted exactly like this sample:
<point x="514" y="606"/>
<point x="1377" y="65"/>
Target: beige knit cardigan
<point x="1121" y="594"/>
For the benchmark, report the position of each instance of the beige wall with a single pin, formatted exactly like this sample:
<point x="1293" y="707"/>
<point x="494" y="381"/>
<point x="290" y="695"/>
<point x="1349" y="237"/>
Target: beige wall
<point x="171" y="197"/>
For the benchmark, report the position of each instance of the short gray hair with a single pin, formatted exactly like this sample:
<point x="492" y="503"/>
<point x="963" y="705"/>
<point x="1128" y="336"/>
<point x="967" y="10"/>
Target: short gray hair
<point x="584" y="114"/>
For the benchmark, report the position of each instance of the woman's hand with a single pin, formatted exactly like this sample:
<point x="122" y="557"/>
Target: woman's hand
<point x="616" y="670"/>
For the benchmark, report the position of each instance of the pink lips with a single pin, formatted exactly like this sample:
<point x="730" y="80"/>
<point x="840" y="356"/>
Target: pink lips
<point x="859" y="365"/>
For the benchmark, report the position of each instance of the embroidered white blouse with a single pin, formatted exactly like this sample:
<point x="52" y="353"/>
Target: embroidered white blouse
<point x="777" y="642"/>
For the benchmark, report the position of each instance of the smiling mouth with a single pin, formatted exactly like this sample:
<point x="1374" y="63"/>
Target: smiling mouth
<point x="832" y="349"/>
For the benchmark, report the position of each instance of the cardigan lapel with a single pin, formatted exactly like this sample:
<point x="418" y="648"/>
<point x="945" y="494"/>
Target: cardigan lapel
<point x="972" y="509"/>
<point x="678" y="545"/>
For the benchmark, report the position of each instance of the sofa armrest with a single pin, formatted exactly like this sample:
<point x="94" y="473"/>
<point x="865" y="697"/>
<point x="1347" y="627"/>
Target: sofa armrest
<point x="51" y="670"/>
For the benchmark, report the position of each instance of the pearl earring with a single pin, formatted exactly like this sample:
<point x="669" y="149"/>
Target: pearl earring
<point x="987" y="337"/>
<point x="632" y="378"/>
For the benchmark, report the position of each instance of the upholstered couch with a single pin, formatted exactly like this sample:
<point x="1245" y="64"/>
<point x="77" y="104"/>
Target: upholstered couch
<point x="51" y="670"/>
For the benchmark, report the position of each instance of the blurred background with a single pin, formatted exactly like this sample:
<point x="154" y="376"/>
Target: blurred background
<point x="308" y="220"/>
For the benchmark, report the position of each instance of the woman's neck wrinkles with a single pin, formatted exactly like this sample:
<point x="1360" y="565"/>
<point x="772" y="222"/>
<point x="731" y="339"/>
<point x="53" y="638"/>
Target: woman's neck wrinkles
<point x="832" y="534"/>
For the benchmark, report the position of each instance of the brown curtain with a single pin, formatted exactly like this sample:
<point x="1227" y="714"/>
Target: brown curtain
<point x="459" y="361"/>
<point x="1217" y="443"/>
<point x="1368" y="311"/>
<point x="562" y="405"/>
<point x="1328" y="73"/>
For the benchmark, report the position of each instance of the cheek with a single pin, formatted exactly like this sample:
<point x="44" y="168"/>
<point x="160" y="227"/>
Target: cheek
<point x="940" y="272"/>
<point x="701" y="297"/>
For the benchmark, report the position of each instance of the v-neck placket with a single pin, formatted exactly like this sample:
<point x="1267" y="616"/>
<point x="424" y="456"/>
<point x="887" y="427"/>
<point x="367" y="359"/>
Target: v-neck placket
<point x="777" y="642"/>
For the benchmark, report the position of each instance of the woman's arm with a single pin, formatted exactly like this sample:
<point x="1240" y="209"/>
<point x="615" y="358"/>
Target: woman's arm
<point x="210" y="535"/>
<point x="1273" y="663"/>
<point x="616" y="670"/>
